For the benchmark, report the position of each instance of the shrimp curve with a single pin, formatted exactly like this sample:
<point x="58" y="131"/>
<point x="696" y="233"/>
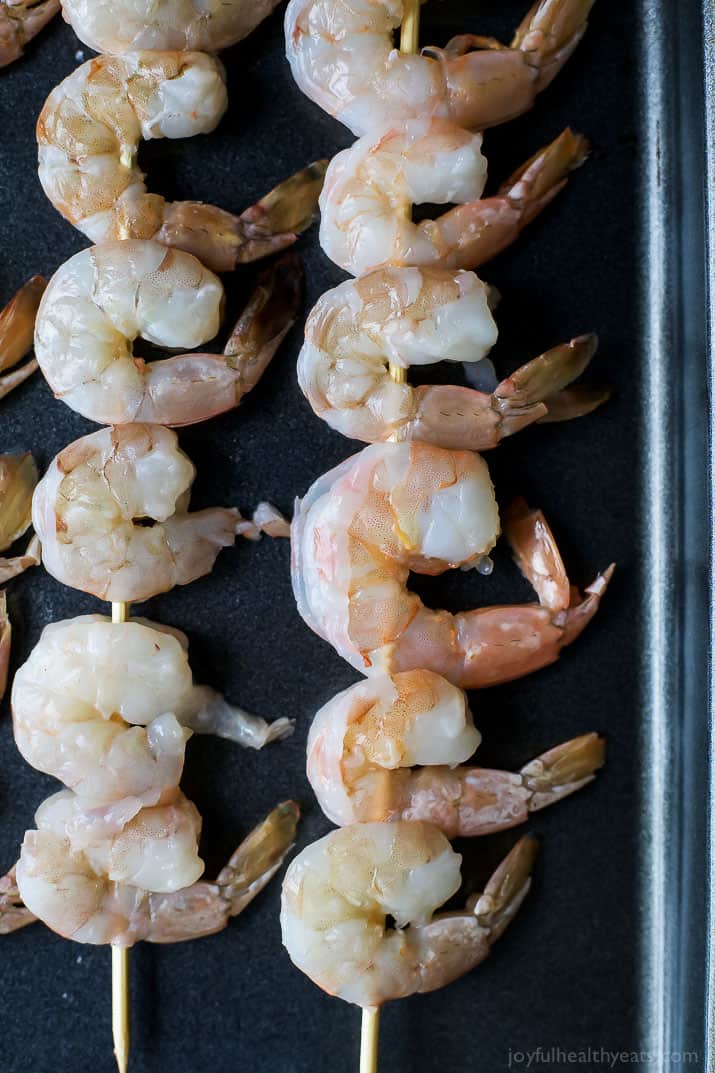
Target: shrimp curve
<point x="364" y="743"/>
<point x="88" y="135"/>
<point x="342" y="56"/>
<point x="417" y="316"/>
<point x="339" y="891"/>
<point x="393" y="508"/>
<point x="363" y="225"/>
<point x="103" y="298"/>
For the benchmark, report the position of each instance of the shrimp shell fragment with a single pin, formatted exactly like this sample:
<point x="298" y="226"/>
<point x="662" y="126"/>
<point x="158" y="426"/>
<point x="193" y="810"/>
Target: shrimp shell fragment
<point x="118" y="26"/>
<point x="88" y="135"/>
<point x="20" y="21"/>
<point x="363" y="223"/>
<point x="411" y="316"/>
<point x="105" y="297"/>
<point x="338" y="892"/>
<point x="364" y="743"/>
<point x="342" y="56"/>
<point x="394" y="508"/>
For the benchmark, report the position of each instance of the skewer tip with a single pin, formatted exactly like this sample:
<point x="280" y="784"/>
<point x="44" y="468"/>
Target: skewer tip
<point x="120" y="1006"/>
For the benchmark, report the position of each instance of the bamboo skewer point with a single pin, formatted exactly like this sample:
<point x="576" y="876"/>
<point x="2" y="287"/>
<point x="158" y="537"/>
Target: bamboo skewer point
<point x="121" y="1033"/>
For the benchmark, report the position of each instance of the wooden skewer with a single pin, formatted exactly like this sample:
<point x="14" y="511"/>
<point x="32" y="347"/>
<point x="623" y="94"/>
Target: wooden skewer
<point x="409" y="42"/>
<point x="370" y="1028"/>
<point x="369" y="1039"/>
<point x="121" y="1032"/>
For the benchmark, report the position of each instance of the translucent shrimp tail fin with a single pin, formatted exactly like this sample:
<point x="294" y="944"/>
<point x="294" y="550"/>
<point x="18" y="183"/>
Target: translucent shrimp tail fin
<point x="213" y="714"/>
<point x="549" y="34"/>
<point x="537" y="555"/>
<point x="563" y="770"/>
<point x="17" y="329"/>
<point x="538" y="181"/>
<point x="13" y="913"/>
<point x="270" y="314"/>
<point x="259" y="857"/>
<point x="543" y="383"/>
<point x="507" y="888"/>
<point x="292" y="206"/>
<point x="10" y="568"/>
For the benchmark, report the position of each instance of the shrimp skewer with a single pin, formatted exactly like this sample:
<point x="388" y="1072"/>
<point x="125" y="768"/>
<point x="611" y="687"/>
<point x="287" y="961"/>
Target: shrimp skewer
<point x="404" y="316"/>
<point x="17" y="327"/>
<point x="105" y="297"/>
<point x="62" y="875"/>
<point x="118" y="26"/>
<point x="92" y="508"/>
<point x="364" y="743"/>
<point x="363" y="224"/>
<point x="342" y="57"/>
<point x="394" y="508"/>
<point x="339" y="891"/>
<point x="20" y="21"/>
<point x="108" y="707"/>
<point x="88" y="135"/>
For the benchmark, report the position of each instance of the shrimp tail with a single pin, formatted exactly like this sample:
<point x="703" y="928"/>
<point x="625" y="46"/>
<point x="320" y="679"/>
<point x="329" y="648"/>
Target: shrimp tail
<point x="259" y="857"/>
<point x="538" y="390"/>
<point x="17" y="329"/>
<point x="563" y="770"/>
<point x="13" y="913"/>
<point x="549" y="34"/>
<point x="221" y="240"/>
<point x="5" y="642"/>
<point x="479" y="230"/>
<point x="270" y="314"/>
<point x="214" y="715"/>
<point x="205" y="908"/>
<point x="507" y="888"/>
<point x="20" y="21"/>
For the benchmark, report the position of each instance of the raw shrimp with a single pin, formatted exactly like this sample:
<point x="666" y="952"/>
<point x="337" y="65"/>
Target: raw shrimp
<point x="20" y="21"/>
<point x="417" y="316"/>
<point x="17" y="328"/>
<point x="393" y="508"/>
<point x="107" y="708"/>
<point x="118" y="26"/>
<point x="86" y="884"/>
<point x="88" y="135"/>
<point x="339" y="891"/>
<point x="364" y="741"/>
<point x="343" y="57"/>
<point x="18" y="477"/>
<point x="363" y="224"/>
<point x="92" y="508"/>
<point x="105" y="297"/>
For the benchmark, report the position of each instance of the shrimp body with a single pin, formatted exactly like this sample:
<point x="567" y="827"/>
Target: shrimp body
<point x="20" y="21"/>
<point x="343" y="57"/>
<point x="107" y="708"/>
<point x="364" y="743"/>
<point x="417" y="316"/>
<point x="394" y="508"/>
<point x="105" y="297"/>
<point x="88" y="135"/>
<point x="427" y="160"/>
<point x="97" y="883"/>
<point x="338" y="892"/>
<point x="208" y="25"/>
<point x="86" y="511"/>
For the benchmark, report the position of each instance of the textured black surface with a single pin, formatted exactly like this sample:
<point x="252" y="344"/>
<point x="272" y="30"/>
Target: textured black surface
<point x="565" y="974"/>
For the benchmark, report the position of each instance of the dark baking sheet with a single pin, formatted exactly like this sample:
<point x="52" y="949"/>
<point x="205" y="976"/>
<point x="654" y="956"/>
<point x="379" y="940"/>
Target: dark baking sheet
<point x="609" y="952"/>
